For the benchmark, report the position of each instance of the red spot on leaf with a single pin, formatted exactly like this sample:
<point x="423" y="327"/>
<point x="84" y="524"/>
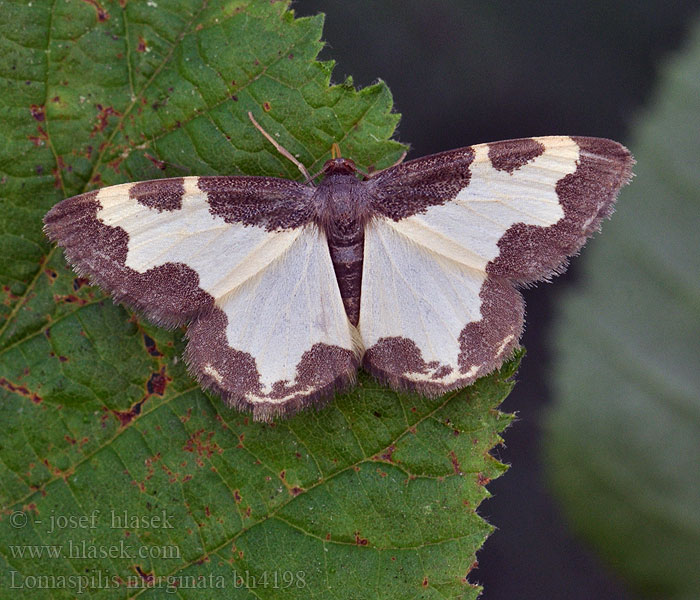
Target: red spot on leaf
<point x="38" y="112"/>
<point x="69" y="299"/>
<point x="147" y="577"/>
<point x="56" y="470"/>
<point x="149" y="462"/>
<point x="114" y="164"/>
<point x="224" y="424"/>
<point x="141" y="45"/>
<point x="20" y="389"/>
<point x="158" y="382"/>
<point x="201" y="443"/>
<point x="102" y="14"/>
<point x="40" y="138"/>
<point x="425" y="582"/>
<point x="237" y="496"/>
<point x="126" y="416"/>
<point x="386" y="455"/>
<point x="359" y="540"/>
<point x="172" y="476"/>
<point x="482" y="479"/>
<point x="455" y="463"/>
<point x="6" y="290"/>
<point x="79" y="282"/>
<point x="267" y="107"/>
<point x="103" y="114"/>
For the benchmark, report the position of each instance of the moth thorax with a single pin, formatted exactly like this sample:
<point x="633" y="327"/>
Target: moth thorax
<point x="340" y="200"/>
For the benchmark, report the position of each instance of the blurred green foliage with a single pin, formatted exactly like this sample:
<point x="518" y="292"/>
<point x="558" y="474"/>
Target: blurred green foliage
<point x="624" y="436"/>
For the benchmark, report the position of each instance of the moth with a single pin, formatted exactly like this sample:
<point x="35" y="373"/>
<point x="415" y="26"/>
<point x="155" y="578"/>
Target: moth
<point x="411" y="272"/>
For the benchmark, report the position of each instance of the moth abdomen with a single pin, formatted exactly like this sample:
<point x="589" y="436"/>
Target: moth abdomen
<point x="346" y="245"/>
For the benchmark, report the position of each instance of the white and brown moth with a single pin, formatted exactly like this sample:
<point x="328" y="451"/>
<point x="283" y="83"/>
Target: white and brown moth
<point x="288" y="287"/>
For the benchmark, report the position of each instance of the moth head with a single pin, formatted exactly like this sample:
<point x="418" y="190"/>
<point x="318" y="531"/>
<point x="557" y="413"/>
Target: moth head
<point x="342" y="166"/>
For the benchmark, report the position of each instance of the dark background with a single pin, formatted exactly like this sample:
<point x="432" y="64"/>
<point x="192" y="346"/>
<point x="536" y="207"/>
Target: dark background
<point x="465" y="72"/>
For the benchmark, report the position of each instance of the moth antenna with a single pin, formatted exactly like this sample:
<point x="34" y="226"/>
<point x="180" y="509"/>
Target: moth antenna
<point x="335" y="153"/>
<point x="279" y="148"/>
<point x="310" y="178"/>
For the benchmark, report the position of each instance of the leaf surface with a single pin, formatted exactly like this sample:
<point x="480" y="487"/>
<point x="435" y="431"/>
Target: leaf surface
<point x="131" y="480"/>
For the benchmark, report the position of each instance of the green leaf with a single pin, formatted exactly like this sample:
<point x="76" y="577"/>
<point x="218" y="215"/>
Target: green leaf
<point x="624" y="436"/>
<point x="375" y="496"/>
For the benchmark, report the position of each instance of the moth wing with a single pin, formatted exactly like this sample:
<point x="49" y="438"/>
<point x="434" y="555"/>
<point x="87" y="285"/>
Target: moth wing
<point x="459" y="231"/>
<point x="239" y="259"/>
<point x="430" y="323"/>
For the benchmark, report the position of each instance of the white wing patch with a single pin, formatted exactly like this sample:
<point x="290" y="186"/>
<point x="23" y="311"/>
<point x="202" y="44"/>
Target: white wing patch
<point x="409" y="291"/>
<point x="224" y="255"/>
<point x="468" y="228"/>
<point x="287" y="308"/>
